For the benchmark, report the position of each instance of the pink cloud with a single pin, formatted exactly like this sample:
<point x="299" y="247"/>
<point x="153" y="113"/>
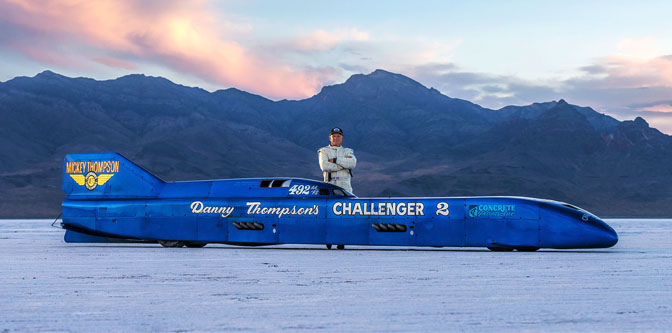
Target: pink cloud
<point x="115" y="63"/>
<point x="644" y="47"/>
<point x="322" y="40"/>
<point x="633" y="72"/>
<point x="658" y="108"/>
<point x="48" y="56"/>
<point x="181" y="35"/>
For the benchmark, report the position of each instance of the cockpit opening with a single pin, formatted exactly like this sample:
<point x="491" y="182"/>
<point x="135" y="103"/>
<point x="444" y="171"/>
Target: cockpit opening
<point x="275" y="183"/>
<point x="281" y="183"/>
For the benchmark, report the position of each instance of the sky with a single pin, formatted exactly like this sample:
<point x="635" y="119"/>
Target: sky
<point x="614" y="56"/>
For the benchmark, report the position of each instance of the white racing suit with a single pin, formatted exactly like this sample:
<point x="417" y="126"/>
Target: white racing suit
<point x="338" y="173"/>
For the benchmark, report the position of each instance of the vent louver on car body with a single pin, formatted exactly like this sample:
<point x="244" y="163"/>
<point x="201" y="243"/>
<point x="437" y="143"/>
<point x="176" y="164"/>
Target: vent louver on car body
<point x="248" y="225"/>
<point x="387" y="227"/>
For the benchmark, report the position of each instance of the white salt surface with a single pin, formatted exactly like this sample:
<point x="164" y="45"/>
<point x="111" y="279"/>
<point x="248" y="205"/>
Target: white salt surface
<point x="48" y="285"/>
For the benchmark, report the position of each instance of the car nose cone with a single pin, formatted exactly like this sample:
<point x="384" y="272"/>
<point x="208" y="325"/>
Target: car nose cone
<point x="605" y="236"/>
<point x="611" y="238"/>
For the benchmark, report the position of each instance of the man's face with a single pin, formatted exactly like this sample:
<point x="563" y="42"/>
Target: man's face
<point x="336" y="139"/>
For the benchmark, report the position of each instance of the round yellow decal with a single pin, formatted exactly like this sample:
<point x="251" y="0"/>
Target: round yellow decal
<point x="91" y="180"/>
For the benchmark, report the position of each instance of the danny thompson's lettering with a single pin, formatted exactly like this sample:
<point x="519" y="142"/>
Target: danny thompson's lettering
<point x="256" y="208"/>
<point x="379" y="208"/>
<point x="198" y="207"/>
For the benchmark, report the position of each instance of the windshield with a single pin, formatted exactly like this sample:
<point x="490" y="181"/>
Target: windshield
<point x="342" y="193"/>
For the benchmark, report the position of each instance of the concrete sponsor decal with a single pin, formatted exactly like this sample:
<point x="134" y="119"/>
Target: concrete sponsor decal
<point x="491" y="210"/>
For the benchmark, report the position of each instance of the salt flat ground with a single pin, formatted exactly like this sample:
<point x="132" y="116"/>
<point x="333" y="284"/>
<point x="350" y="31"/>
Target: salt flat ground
<point x="48" y="285"/>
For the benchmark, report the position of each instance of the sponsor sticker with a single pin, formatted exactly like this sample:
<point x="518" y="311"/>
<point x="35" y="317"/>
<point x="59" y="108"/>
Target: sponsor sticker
<point x="491" y="210"/>
<point x="90" y="174"/>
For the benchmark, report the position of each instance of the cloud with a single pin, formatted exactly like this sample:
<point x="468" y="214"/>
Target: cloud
<point x="659" y="108"/>
<point x="321" y="40"/>
<point x="194" y="39"/>
<point x="618" y="84"/>
<point x="489" y="90"/>
<point x="45" y="55"/>
<point x="622" y="85"/>
<point x="179" y="35"/>
<point x="643" y="48"/>
<point x="631" y="72"/>
<point x="635" y="79"/>
<point x="115" y="63"/>
<point x="434" y="51"/>
<point x="655" y="114"/>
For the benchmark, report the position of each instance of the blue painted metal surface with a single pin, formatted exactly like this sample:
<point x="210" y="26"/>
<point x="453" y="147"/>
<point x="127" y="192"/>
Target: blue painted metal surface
<point x="109" y="199"/>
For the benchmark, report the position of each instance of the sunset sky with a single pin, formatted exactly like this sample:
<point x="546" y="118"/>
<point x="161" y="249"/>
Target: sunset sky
<point x="615" y="56"/>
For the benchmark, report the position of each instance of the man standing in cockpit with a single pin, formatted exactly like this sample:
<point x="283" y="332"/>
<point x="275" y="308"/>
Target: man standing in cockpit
<point x="337" y="161"/>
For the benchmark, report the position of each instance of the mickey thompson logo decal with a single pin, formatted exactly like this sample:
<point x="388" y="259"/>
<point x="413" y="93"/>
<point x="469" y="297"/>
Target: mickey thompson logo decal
<point x="91" y="173"/>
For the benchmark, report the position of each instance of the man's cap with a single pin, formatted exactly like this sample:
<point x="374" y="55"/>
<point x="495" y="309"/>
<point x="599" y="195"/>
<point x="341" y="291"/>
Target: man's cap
<point x="336" y="130"/>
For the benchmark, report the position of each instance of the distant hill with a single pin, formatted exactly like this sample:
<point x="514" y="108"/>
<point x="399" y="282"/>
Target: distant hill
<point x="410" y="141"/>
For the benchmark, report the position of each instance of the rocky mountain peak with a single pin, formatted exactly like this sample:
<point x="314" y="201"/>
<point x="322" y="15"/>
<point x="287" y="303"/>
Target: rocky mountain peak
<point x="640" y="122"/>
<point x="49" y="76"/>
<point x="47" y="73"/>
<point x="562" y="110"/>
<point x="376" y="83"/>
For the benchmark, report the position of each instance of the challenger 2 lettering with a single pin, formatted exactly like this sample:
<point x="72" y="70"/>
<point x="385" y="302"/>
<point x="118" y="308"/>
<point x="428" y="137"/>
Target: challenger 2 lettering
<point x="379" y="208"/>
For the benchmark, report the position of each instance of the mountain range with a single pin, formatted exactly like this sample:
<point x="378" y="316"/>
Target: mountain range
<point x="410" y="140"/>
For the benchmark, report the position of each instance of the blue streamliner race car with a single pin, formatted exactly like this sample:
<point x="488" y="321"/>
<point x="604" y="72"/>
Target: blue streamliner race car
<point x="110" y="199"/>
